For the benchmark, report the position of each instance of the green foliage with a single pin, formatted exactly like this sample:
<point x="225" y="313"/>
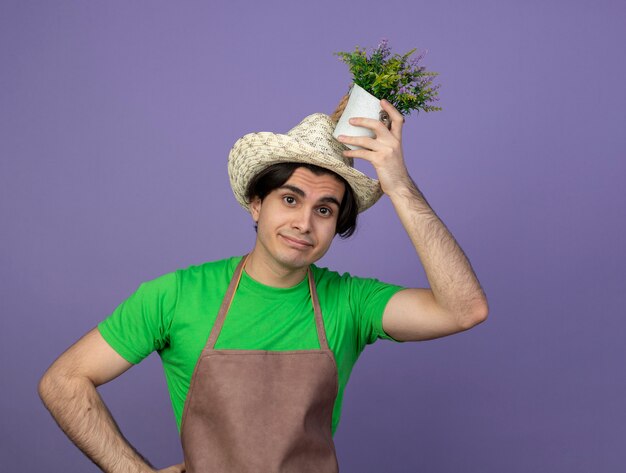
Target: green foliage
<point x="402" y="82"/>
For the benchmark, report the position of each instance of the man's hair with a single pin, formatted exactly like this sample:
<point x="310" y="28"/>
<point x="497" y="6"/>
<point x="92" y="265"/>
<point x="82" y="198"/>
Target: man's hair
<point x="276" y="175"/>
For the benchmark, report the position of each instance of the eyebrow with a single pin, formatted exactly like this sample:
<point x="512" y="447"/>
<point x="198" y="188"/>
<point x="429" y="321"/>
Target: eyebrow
<point x="301" y="193"/>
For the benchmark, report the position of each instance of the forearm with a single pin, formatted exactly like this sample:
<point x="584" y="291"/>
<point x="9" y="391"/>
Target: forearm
<point x="449" y="272"/>
<point x="79" y="410"/>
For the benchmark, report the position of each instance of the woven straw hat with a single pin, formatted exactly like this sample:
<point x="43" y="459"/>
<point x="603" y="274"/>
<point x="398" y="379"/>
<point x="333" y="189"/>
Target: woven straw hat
<point x="310" y="142"/>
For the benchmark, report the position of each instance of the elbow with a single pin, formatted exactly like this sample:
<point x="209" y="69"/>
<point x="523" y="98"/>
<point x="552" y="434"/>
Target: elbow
<point x="51" y="384"/>
<point x="48" y="384"/>
<point x="476" y="316"/>
<point x="481" y="315"/>
<point x="45" y="386"/>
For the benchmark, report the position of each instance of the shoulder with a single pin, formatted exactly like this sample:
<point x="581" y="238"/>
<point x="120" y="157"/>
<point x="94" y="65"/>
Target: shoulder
<point x="344" y="285"/>
<point x="195" y="271"/>
<point x="328" y="276"/>
<point x="325" y="276"/>
<point x="356" y="290"/>
<point x="203" y="273"/>
<point x="223" y="268"/>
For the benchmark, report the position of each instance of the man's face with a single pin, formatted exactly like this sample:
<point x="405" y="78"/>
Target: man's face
<point x="297" y="221"/>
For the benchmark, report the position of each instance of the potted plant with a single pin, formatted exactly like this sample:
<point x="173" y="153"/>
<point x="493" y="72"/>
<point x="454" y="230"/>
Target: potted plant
<point x="399" y="80"/>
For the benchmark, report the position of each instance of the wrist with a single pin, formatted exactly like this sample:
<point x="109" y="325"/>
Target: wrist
<point x="403" y="189"/>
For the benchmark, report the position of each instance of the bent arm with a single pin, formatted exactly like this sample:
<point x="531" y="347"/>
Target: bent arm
<point x="68" y="390"/>
<point x="455" y="301"/>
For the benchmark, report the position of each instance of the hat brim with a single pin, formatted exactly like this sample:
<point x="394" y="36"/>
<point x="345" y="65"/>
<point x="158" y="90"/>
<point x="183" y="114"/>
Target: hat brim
<point x="256" y="151"/>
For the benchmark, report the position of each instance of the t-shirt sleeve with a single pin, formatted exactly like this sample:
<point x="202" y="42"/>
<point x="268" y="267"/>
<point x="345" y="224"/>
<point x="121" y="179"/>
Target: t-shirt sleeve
<point x="141" y="324"/>
<point x="368" y="299"/>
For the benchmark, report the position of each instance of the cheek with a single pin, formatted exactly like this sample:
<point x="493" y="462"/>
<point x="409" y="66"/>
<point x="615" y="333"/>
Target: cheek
<point x="329" y="230"/>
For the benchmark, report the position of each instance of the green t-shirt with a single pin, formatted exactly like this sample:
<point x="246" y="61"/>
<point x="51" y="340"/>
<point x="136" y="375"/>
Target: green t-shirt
<point x="174" y="313"/>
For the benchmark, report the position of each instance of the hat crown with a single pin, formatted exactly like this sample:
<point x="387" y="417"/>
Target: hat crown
<point x="316" y="130"/>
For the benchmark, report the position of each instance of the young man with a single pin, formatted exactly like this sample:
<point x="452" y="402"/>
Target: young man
<point x="258" y="349"/>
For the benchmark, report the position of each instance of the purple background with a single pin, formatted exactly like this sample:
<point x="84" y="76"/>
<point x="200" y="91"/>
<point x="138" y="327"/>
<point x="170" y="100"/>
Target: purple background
<point x="116" y="119"/>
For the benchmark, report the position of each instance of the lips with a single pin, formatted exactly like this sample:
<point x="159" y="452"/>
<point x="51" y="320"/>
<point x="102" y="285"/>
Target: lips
<point x="296" y="242"/>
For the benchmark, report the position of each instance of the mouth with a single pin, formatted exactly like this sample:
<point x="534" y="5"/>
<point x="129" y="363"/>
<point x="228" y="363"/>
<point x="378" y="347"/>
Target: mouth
<point x="296" y="242"/>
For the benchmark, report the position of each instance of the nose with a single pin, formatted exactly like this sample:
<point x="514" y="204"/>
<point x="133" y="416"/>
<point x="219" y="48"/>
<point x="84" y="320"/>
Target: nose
<point x="302" y="219"/>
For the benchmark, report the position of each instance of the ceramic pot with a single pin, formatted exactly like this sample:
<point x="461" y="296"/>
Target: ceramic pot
<point x="360" y="104"/>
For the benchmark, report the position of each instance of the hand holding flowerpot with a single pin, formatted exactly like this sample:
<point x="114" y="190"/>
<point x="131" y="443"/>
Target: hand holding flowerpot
<point x="360" y="104"/>
<point x="383" y="151"/>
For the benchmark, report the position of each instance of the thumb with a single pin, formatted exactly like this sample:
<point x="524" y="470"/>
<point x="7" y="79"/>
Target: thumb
<point x="180" y="468"/>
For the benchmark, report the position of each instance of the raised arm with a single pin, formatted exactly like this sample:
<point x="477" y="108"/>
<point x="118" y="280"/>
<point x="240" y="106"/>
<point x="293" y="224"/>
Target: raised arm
<point x="455" y="300"/>
<point x="68" y="390"/>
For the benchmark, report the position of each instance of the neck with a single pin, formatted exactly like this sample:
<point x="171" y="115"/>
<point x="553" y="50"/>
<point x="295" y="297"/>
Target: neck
<point x="269" y="272"/>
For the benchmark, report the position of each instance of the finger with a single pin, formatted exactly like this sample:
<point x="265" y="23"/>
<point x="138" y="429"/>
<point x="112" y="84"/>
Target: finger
<point x="180" y="468"/>
<point x="376" y="126"/>
<point x="361" y="154"/>
<point x="397" y="119"/>
<point x="362" y="141"/>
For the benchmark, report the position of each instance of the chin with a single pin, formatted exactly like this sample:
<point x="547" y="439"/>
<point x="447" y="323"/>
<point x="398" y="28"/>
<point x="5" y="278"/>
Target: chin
<point x="295" y="259"/>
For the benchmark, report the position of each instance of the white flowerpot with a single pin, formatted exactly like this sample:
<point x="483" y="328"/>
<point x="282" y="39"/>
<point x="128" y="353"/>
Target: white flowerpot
<point x="360" y="104"/>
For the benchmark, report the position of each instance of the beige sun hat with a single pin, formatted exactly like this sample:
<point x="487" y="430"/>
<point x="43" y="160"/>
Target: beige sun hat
<point x="310" y="142"/>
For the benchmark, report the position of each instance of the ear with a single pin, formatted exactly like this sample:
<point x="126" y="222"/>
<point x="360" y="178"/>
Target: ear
<point x="255" y="208"/>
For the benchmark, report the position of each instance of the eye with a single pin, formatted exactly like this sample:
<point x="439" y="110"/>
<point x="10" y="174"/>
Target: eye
<point x="289" y="199"/>
<point x="325" y="211"/>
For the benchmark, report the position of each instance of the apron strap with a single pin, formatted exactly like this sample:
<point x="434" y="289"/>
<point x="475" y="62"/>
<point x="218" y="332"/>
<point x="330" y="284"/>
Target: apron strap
<point x="319" y="321"/>
<point x="226" y="302"/>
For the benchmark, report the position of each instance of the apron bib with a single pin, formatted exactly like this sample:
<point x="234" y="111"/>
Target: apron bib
<point x="259" y="411"/>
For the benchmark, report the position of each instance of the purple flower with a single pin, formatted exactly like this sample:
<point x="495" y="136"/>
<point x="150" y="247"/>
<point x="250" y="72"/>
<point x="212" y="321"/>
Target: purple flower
<point x="424" y="81"/>
<point x="413" y="62"/>
<point x="383" y="48"/>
